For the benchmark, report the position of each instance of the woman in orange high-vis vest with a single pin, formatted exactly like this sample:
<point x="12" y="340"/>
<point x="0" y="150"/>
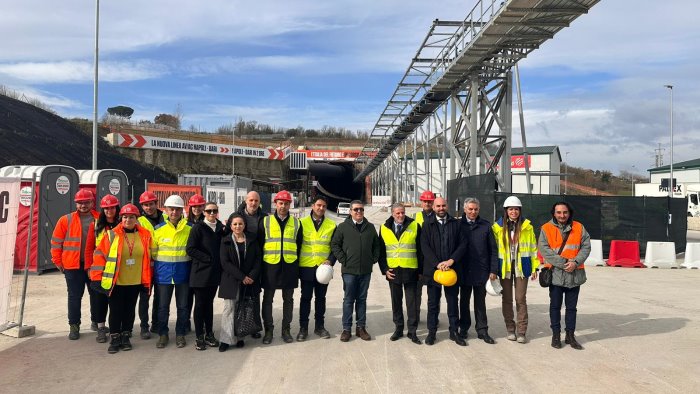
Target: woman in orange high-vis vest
<point x="564" y="245"/>
<point x="121" y="268"/>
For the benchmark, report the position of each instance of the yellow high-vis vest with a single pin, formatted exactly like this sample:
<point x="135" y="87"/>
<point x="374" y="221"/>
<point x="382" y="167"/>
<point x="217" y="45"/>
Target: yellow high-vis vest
<point x="419" y="218"/>
<point x="317" y="244"/>
<point x="277" y="241"/>
<point x="401" y="252"/>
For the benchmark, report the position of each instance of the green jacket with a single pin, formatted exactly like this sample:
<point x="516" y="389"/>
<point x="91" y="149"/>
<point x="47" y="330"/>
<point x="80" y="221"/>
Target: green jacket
<point x="357" y="250"/>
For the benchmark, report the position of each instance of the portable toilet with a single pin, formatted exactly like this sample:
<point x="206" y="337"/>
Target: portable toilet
<point x="103" y="182"/>
<point x="56" y="186"/>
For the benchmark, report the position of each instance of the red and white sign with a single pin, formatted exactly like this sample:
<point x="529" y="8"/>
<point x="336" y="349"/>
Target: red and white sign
<point x="125" y="140"/>
<point x="62" y="184"/>
<point x="115" y="186"/>
<point x="519" y="161"/>
<point x="316" y="154"/>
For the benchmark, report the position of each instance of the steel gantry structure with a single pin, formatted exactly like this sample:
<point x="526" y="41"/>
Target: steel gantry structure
<point x="451" y="113"/>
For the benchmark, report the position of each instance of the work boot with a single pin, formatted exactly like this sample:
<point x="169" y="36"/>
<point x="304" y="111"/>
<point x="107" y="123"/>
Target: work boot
<point x="74" y="332"/>
<point x="430" y="339"/>
<point x="362" y="333"/>
<point x="556" y="340"/>
<point x="287" y="335"/>
<point x="211" y="340"/>
<point x="458" y="340"/>
<point x="180" y="341"/>
<point x="114" y="344"/>
<point x="93" y="326"/>
<point x="163" y="341"/>
<point x="145" y="333"/>
<point x="571" y="340"/>
<point x="126" y="342"/>
<point x="345" y="336"/>
<point x="102" y="335"/>
<point x="199" y="343"/>
<point x="267" y="339"/>
<point x="322" y="332"/>
<point x="303" y="333"/>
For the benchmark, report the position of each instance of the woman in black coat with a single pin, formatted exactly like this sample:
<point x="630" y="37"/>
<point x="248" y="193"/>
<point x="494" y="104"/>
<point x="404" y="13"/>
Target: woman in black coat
<point x="203" y="247"/>
<point x="241" y="263"/>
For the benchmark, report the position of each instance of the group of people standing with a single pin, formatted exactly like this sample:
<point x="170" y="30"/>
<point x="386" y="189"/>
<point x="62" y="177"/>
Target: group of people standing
<point x="122" y="256"/>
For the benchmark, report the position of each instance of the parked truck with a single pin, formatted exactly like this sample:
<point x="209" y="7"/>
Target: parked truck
<point x="689" y="191"/>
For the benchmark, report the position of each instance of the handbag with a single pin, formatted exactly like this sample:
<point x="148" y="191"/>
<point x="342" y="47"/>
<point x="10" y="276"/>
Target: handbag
<point x="245" y="322"/>
<point x="546" y="272"/>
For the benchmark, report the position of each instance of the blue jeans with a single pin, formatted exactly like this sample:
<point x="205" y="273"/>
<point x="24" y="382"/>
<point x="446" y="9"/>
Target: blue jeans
<point x="165" y="294"/>
<point x="355" y="288"/>
<point x="556" y="295"/>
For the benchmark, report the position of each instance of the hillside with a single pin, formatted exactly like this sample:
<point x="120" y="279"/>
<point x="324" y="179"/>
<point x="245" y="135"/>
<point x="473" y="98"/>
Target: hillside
<point x="582" y="181"/>
<point x="32" y="136"/>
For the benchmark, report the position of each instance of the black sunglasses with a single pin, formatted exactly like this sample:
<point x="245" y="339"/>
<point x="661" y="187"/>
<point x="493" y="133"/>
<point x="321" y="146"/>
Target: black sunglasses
<point x="358" y="209"/>
<point x="211" y="211"/>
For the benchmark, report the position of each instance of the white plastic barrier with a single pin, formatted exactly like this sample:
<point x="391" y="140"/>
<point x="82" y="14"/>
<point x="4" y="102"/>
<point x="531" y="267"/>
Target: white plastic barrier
<point x="660" y="255"/>
<point x="596" y="256"/>
<point x="692" y="255"/>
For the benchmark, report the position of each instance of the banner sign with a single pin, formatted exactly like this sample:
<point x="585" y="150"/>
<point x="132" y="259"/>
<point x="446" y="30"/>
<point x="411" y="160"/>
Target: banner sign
<point x="165" y="190"/>
<point x="316" y="154"/>
<point x="225" y="198"/>
<point x="519" y="161"/>
<point x="9" y="209"/>
<point x="381" y="201"/>
<point x="125" y="140"/>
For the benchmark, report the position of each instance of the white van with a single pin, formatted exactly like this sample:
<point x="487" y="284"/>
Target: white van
<point x="343" y="208"/>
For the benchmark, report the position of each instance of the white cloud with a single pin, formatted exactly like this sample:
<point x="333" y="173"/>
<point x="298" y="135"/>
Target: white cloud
<point x="80" y="72"/>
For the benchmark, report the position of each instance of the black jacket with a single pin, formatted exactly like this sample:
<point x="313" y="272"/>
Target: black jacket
<point x="203" y="247"/>
<point x="482" y="257"/>
<point x="455" y="246"/>
<point x="402" y="275"/>
<point x="356" y="250"/>
<point x="233" y="272"/>
<point x="253" y="223"/>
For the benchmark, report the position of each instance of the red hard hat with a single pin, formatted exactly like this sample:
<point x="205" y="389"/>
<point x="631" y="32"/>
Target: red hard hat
<point x="84" y="195"/>
<point x="197" y="199"/>
<point x="109" y="201"/>
<point x="129" y="209"/>
<point x="427" y="196"/>
<point x="283" y="195"/>
<point x="147" y="197"/>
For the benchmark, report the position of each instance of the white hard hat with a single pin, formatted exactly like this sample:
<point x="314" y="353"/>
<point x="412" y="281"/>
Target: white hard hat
<point x="493" y="287"/>
<point x="512" y="201"/>
<point x="174" y="201"/>
<point x="324" y="274"/>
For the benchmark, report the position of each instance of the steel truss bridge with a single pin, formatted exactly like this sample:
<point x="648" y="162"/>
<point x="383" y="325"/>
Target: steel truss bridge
<point x="453" y="106"/>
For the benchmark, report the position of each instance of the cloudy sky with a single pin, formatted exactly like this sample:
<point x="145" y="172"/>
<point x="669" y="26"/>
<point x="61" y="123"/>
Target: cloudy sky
<point x="596" y="90"/>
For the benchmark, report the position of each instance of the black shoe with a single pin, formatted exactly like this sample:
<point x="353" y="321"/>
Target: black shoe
<point x="114" y="344"/>
<point x="256" y="335"/>
<point x="74" y="332"/>
<point x="267" y="339"/>
<point x="145" y="334"/>
<point x="463" y="334"/>
<point x="486" y="338"/>
<point x="457" y="339"/>
<point x="556" y="340"/>
<point x="240" y="344"/>
<point x="211" y="340"/>
<point x="414" y="338"/>
<point x="287" y="335"/>
<point x="199" y="343"/>
<point x="322" y="332"/>
<point x="223" y="347"/>
<point x="93" y="326"/>
<point x="398" y="333"/>
<point x="126" y="342"/>
<point x="303" y="333"/>
<point x="571" y="340"/>
<point x="430" y="339"/>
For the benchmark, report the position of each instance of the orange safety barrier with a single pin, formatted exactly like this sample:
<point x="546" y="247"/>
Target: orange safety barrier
<point x="624" y="254"/>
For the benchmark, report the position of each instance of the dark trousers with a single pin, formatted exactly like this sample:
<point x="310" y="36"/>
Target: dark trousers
<point x="204" y="309"/>
<point x="452" y="298"/>
<point x="144" y="298"/>
<point x="355" y="288"/>
<point x="397" y="293"/>
<point x="122" y="308"/>
<point x="419" y="298"/>
<point x="76" y="281"/>
<point x="570" y="298"/>
<point x="310" y="288"/>
<point x="465" y="319"/>
<point x="165" y="295"/>
<point x="190" y="305"/>
<point x="287" y="308"/>
<point x="434" y="295"/>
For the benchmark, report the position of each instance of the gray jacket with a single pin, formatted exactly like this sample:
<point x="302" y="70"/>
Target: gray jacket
<point x="559" y="276"/>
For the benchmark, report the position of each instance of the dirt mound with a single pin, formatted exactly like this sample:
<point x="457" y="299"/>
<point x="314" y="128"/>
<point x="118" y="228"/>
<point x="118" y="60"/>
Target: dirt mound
<point x="32" y="136"/>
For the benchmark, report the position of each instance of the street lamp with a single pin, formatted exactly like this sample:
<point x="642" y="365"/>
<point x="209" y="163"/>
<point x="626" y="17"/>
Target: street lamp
<point x="670" y="181"/>
<point x="94" y="108"/>
<point x="566" y="166"/>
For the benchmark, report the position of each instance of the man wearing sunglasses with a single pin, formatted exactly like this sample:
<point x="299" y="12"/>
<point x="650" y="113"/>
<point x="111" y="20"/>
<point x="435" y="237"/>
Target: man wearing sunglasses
<point x="356" y="246"/>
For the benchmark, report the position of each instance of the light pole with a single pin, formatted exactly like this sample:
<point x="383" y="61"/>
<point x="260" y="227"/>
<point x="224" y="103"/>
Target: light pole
<point x="566" y="166"/>
<point x="94" y="107"/>
<point x="670" y="180"/>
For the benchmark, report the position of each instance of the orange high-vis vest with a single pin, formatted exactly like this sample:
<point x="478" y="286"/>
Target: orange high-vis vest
<point x="573" y="243"/>
<point x="108" y="258"/>
<point x="65" y="242"/>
